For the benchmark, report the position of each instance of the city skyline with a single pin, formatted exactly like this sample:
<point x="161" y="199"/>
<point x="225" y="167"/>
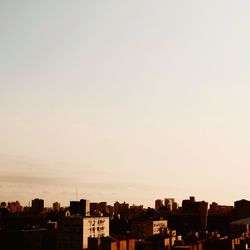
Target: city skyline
<point x="129" y="101"/>
<point x="160" y="201"/>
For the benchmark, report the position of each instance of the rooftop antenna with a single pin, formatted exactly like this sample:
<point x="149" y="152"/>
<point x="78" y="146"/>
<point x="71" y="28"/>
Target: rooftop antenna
<point x="76" y="193"/>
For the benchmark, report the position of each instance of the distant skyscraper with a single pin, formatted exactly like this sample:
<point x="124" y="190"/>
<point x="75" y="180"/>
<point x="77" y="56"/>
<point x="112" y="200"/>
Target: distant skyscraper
<point x="37" y="206"/>
<point x="94" y="209"/>
<point x="158" y="204"/>
<point x="169" y="204"/>
<point x="103" y="207"/>
<point x="56" y="206"/>
<point x="81" y="207"/>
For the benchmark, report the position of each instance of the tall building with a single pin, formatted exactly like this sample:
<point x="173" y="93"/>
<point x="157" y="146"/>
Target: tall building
<point x="103" y="207"/>
<point x="81" y="207"/>
<point x="37" y="206"/>
<point x="110" y="210"/>
<point x="169" y="204"/>
<point x="200" y="208"/>
<point x="203" y="211"/>
<point x="74" y="231"/>
<point x="56" y="206"/>
<point x="94" y="209"/>
<point x="158" y="204"/>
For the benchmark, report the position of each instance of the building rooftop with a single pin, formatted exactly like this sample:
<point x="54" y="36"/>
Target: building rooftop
<point x="244" y="221"/>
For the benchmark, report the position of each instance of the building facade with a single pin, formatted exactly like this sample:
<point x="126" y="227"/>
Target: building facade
<point x="141" y="229"/>
<point x="74" y="231"/>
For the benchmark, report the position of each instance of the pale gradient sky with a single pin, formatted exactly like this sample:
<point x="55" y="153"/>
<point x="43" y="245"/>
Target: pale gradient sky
<point x="130" y="100"/>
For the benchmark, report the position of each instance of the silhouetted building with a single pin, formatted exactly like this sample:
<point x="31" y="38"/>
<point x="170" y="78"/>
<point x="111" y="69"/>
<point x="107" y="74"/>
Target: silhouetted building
<point x="110" y="210"/>
<point x="192" y="216"/>
<point x="121" y="210"/>
<point x="81" y="207"/>
<point x="242" y="209"/>
<point x="190" y="205"/>
<point x="133" y="210"/>
<point x="214" y="208"/>
<point x="14" y="206"/>
<point x="158" y="204"/>
<point x="56" y="206"/>
<point x="203" y="211"/>
<point x="37" y="206"/>
<point x="170" y="204"/>
<point x="94" y="209"/>
<point x="103" y="207"/>
<point x="100" y="209"/>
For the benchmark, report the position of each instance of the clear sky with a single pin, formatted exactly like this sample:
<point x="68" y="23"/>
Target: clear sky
<point x="130" y="100"/>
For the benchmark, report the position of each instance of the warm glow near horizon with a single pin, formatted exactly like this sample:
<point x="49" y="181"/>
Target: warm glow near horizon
<point x="130" y="101"/>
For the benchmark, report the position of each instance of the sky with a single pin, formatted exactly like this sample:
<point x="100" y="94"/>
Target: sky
<point x="129" y="100"/>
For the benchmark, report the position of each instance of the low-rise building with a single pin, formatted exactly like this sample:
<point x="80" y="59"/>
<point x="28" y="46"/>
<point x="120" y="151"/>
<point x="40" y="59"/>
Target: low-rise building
<point x="146" y="228"/>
